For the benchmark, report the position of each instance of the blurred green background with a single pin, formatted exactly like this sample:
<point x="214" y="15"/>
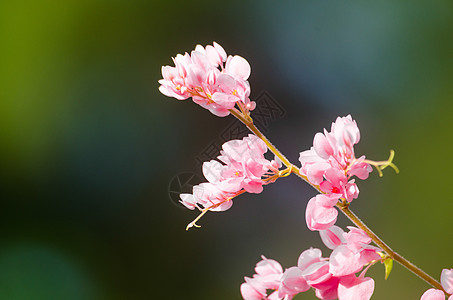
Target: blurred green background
<point x="89" y="145"/>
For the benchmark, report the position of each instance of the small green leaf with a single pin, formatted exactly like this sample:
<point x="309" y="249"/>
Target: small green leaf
<point x="388" y="263"/>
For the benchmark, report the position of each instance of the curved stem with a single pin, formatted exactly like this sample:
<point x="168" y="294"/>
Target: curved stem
<point x="249" y="123"/>
<point x="395" y="256"/>
<point x="247" y="120"/>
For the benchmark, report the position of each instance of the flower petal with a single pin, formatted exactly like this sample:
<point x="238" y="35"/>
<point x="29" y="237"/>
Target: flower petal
<point x="238" y="67"/>
<point x="433" y="294"/>
<point x="353" y="288"/>
<point x="446" y="279"/>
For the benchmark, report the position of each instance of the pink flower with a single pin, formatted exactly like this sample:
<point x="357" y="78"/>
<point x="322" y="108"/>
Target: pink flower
<point x="337" y="183"/>
<point x="433" y="294"/>
<point x="331" y="162"/>
<point x="317" y="275"/>
<point x="203" y="76"/>
<point x="313" y="166"/>
<point x="210" y="195"/>
<point x="267" y="277"/>
<point x="344" y="261"/>
<point x="314" y="269"/>
<point x="309" y="257"/>
<point x="446" y="279"/>
<point x="241" y="167"/>
<point x="188" y="201"/>
<point x="294" y="280"/>
<point x="351" y="251"/>
<point x="355" y="288"/>
<point x="333" y="237"/>
<point x="321" y="213"/>
<point x="245" y="165"/>
<point x="292" y="283"/>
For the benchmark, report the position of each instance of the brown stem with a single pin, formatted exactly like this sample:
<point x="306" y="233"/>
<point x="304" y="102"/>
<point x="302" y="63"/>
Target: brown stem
<point x="249" y="123"/>
<point x="395" y="256"/>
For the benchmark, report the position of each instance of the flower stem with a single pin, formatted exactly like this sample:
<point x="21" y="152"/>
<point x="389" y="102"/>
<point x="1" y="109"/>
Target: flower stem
<point x="395" y="256"/>
<point x="248" y="121"/>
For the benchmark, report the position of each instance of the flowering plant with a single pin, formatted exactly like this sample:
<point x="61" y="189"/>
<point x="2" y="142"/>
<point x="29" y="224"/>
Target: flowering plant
<point x="219" y="83"/>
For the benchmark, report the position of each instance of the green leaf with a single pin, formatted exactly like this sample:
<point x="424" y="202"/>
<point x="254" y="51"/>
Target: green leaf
<point x="388" y="263"/>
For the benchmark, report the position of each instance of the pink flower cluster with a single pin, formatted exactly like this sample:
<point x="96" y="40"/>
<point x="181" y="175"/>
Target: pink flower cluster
<point x="331" y="164"/>
<point x="446" y="279"/>
<point x="213" y="80"/>
<point x="331" y="278"/>
<point x="243" y="169"/>
<point x="268" y="277"/>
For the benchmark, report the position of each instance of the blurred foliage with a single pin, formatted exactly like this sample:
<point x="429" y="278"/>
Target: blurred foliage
<point x="89" y="145"/>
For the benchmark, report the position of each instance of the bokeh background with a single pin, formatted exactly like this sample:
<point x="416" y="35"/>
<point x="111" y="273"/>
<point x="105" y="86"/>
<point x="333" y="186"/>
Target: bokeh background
<point x="88" y="145"/>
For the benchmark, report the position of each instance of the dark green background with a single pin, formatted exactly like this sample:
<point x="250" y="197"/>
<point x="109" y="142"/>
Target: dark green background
<point x="88" y="145"/>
